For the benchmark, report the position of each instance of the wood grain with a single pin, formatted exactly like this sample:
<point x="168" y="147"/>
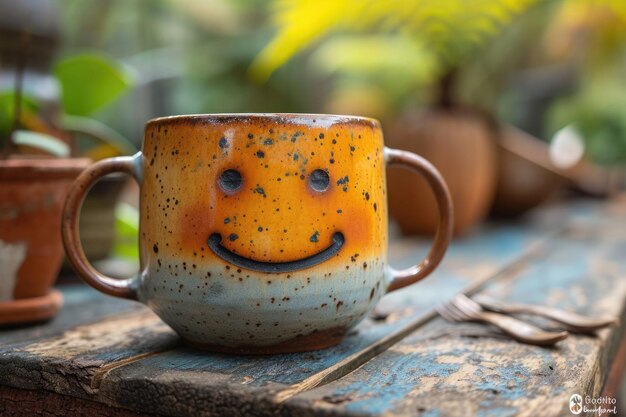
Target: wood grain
<point x="468" y="369"/>
<point x="221" y="384"/>
<point x="23" y="403"/>
<point x="128" y="353"/>
<point x="81" y="305"/>
<point x="119" y="354"/>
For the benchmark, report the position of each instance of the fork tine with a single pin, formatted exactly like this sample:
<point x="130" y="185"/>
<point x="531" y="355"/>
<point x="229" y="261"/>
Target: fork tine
<point x="443" y="313"/>
<point x="460" y="312"/>
<point x="466" y="304"/>
<point x="461" y="309"/>
<point x="473" y="303"/>
<point x="468" y="313"/>
<point x="454" y="313"/>
<point x="450" y="313"/>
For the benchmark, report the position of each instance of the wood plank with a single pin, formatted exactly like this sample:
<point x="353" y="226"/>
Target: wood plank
<point x="24" y="403"/>
<point x="467" y="369"/>
<point x="82" y="304"/>
<point x="130" y="366"/>
<point x="69" y="364"/>
<point x="237" y="385"/>
<point x="131" y="353"/>
<point x="616" y="378"/>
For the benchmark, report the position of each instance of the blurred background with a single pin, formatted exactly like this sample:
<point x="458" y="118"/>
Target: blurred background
<point x="517" y="102"/>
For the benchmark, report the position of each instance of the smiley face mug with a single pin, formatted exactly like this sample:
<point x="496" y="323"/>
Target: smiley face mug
<point x="260" y="233"/>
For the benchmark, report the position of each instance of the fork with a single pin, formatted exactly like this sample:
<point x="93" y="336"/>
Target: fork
<point x="461" y="309"/>
<point x="574" y="322"/>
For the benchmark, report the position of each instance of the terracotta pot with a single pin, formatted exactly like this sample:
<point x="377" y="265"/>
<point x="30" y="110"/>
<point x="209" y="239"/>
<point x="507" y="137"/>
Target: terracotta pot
<point x="32" y="193"/>
<point x="461" y="144"/>
<point x="526" y="176"/>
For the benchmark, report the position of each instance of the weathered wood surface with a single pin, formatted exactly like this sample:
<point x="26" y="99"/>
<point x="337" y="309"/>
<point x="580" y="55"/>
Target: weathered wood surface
<point x="127" y="358"/>
<point x="16" y="403"/>
<point x="465" y="369"/>
<point x="81" y="305"/>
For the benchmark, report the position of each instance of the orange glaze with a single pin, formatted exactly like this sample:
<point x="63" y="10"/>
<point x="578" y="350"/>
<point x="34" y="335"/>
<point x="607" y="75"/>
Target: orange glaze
<point x="275" y="216"/>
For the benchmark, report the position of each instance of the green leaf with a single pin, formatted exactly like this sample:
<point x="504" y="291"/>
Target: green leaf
<point x="41" y="141"/>
<point x="451" y="28"/>
<point x="388" y="57"/>
<point x="90" y="82"/>
<point x="596" y="111"/>
<point x="7" y="109"/>
<point x="99" y="131"/>
<point x="127" y="229"/>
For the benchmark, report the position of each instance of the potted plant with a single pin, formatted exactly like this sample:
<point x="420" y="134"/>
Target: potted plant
<point x="32" y="192"/>
<point x="451" y="130"/>
<point x="37" y="165"/>
<point x="461" y="141"/>
<point x="591" y="36"/>
<point x="568" y="87"/>
<point x="88" y="83"/>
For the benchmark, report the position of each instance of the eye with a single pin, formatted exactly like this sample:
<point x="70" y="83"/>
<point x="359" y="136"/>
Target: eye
<point x="230" y="180"/>
<point x="319" y="180"/>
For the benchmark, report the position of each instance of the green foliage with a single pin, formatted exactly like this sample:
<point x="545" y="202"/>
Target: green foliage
<point x="7" y="110"/>
<point x="41" y="141"/>
<point x="126" y="231"/>
<point x="100" y="132"/>
<point x="89" y="82"/>
<point x="393" y="63"/>
<point x="451" y="28"/>
<point x="598" y="113"/>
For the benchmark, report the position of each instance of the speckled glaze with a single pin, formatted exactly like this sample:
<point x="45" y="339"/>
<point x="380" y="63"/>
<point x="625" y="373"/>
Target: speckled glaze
<point x="263" y="284"/>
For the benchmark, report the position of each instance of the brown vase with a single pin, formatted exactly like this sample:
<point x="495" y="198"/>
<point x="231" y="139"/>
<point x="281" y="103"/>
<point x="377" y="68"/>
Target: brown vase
<point x="460" y="142"/>
<point x="526" y="176"/>
<point x="32" y="193"/>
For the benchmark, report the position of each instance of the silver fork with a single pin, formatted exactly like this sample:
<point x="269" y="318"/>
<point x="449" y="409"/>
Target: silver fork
<point x="574" y="322"/>
<point x="461" y="308"/>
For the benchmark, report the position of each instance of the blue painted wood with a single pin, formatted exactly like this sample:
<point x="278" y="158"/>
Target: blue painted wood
<point x="244" y="378"/>
<point x="135" y="361"/>
<point x="87" y="356"/>
<point x="468" y="369"/>
<point x="81" y="305"/>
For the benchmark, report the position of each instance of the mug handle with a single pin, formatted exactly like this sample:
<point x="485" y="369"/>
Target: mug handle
<point x="123" y="288"/>
<point x="408" y="276"/>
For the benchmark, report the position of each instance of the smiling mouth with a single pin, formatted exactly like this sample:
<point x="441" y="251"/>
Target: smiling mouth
<point x="215" y="240"/>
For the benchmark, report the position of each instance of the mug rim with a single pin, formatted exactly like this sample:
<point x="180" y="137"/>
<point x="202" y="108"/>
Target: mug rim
<point x="312" y="120"/>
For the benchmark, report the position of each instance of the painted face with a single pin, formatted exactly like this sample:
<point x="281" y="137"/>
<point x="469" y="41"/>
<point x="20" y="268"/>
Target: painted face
<point x="256" y="210"/>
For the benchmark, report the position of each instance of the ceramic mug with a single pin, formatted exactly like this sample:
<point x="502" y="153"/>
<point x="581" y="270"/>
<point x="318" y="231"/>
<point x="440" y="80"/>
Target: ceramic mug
<point x="261" y="233"/>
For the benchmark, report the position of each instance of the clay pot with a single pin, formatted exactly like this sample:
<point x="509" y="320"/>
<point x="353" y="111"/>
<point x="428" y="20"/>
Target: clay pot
<point x="526" y="176"/>
<point x="32" y="193"/>
<point x="460" y="142"/>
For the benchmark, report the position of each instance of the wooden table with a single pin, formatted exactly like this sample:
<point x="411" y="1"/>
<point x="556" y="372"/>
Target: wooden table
<point x="104" y="356"/>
